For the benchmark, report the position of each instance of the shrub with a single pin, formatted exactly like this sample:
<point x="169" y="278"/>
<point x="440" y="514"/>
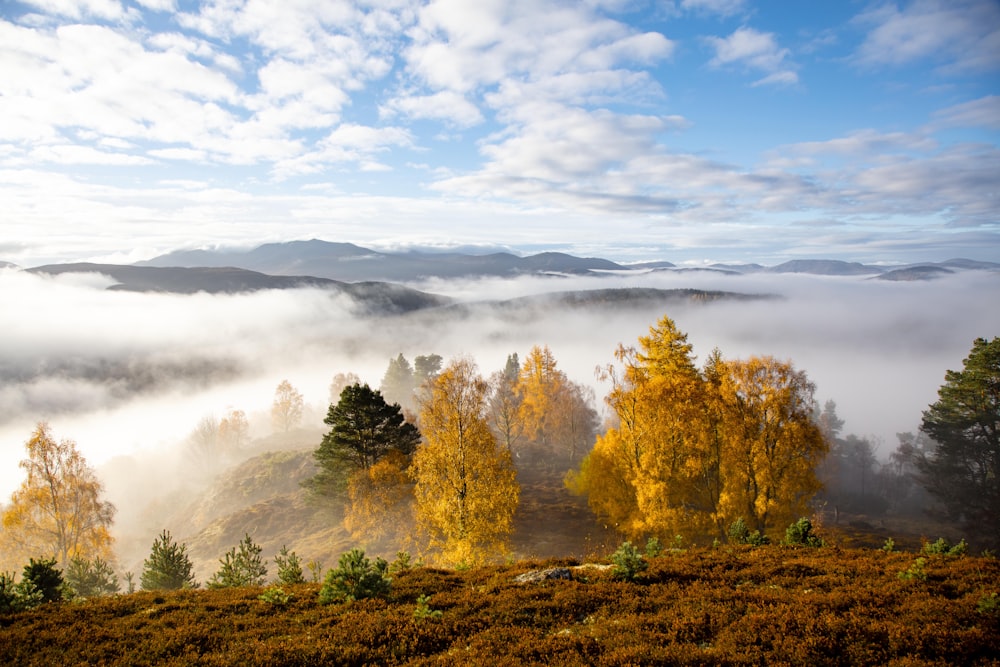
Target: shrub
<point x="942" y="548"/>
<point x="356" y="577"/>
<point x="739" y="533"/>
<point x="800" y="534"/>
<point x="168" y="566"/>
<point x="401" y="564"/>
<point x="17" y="596"/>
<point x="989" y="604"/>
<point x="423" y="610"/>
<point x="241" y="566"/>
<point x="628" y="562"/>
<point x="46" y="577"/>
<point x="915" y="571"/>
<point x="889" y="545"/>
<point x="653" y="547"/>
<point x="289" y="567"/>
<point x="91" y="578"/>
<point x="276" y="596"/>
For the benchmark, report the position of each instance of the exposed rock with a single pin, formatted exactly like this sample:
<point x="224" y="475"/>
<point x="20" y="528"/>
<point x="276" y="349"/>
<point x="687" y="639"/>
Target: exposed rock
<point x="538" y="576"/>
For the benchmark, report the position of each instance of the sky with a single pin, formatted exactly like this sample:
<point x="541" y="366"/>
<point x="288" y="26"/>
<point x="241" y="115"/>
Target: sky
<point x="688" y="130"/>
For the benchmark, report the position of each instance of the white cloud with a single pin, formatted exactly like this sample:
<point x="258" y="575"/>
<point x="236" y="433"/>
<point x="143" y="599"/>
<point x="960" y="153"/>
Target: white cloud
<point x="76" y="154"/>
<point x="957" y="34"/>
<point x="444" y="105"/>
<point x="981" y="113"/>
<point x="77" y="9"/>
<point x="755" y="50"/>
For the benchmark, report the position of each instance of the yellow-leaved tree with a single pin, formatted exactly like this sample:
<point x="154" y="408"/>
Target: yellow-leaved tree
<point x="57" y="511"/>
<point x="772" y="444"/>
<point x="691" y="451"/>
<point x="466" y="488"/>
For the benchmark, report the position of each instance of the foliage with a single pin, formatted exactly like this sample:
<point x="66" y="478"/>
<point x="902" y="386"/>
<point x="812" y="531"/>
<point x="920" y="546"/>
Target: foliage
<point x="91" y="578"/>
<point x="692" y="451"/>
<point x="628" y="562"/>
<point x="58" y="509"/>
<point x="889" y="545"/>
<point x="653" y="547"/>
<point x="275" y="595"/>
<point x="739" y="533"/>
<point x="380" y="499"/>
<point x="398" y="383"/>
<point x="963" y="469"/>
<point x="915" y="571"/>
<point x="18" y="596"/>
<point x="423" y="610"/>
<point x="942" y="547"/>
<point x="800" y="534"/>
<point x="168" y="566"/>
<point x="234" y="432"/>
<point x="364" y="430"/>
<point x="241" y="566"/>
<point x="402" y="563"/>
<point x="355" y="578"/>
<point x="466" y="488"/>
<point x="286" y="410"/>
<point x="989" y="604"/>
<point x="289" y="567"/>
<point x="732" y="606"/>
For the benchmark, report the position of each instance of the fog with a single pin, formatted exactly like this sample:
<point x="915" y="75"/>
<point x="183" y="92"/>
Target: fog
<point x="128" y="376"/>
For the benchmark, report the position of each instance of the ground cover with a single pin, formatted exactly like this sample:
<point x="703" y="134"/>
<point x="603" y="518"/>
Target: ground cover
<point x="704" y="606"/>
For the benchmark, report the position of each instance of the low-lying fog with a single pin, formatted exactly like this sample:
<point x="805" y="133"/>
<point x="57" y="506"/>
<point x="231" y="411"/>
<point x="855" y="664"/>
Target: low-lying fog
<point x="132" y="374"/>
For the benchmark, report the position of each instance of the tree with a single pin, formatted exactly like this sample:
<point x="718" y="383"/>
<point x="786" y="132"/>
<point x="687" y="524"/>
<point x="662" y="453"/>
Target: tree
<point x="380" y="499"/>
<point x="466" y="488"/>
<point x="398" y="382"/>
<point x="286" y="410"/>
<point x="91" y="578"/>
<point x="289" y="567"/>
<point x="340" y="382"/>
<point x="241" y="566"/>
<point x="45" y="577"/>
<point x="692" y="451"/>
<point x="234" y="432"/>
<point x="504" y="410"/>
<point x="772" y="443"/>
<point x="365" y="429"/>
<point x="57" y="511"/>
<point x="963" y="471"/>
<point x="426" y="368"/>
<point x="168" y="566"/>
<point x="539" y="383"/>
<point x="203" y="443"/>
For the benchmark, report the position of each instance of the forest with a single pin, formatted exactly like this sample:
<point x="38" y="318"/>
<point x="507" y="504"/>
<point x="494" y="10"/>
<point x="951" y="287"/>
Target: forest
<point x="736" y="454"/>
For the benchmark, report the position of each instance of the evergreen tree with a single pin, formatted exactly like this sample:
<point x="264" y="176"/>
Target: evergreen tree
<point x="168" y="566"/>
<point x="398" y="382"/>
<point x="962" y="471"/>
<point x="241" y="566"/>
<point x="45" y="577"/>
<point x="365" y="429"/>
<point x="91" y="578"/>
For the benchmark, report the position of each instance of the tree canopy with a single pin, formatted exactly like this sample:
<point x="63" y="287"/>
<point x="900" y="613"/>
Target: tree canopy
<point x="466" y="487"/>
<point x="692" y="451"/>
<point x="57" y="511"/>
<point x="365" y="429"/>
<point x="962" y="470"/>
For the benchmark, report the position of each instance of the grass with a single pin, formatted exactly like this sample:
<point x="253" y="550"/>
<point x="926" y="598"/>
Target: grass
<point x="723" y="606"/>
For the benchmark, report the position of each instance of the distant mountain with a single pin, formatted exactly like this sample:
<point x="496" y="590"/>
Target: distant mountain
<point x="374" y="297"/>
<point x="825" y="267"/>
<point x="348" y="262"/>
<point x="926" y="272"/>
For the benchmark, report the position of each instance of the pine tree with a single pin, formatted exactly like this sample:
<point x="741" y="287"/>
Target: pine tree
<point x="168" y="566"/>
<point x="241" y="566"/>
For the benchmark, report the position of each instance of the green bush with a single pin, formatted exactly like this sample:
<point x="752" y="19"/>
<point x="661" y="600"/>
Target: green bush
<point x="942" y="548"/>
<point x="653" y="547"/>
<point x="289" y="567"/>
<point x="889" y="545"/>
<point x="628" y="562"/>
<point x="989" y="604"/>
<point x="423" y="610"/>
<point x="356" y="577"/>
<point x="915" y="571"/>
<point x="91" y="578"/>
<point x="739" y="533"/>
<point x="800" y="534"/>
<point x="276" y="596"/>
<point x="241" y="566"/>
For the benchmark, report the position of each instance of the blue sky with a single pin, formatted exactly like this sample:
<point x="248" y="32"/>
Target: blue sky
<point x="691" y="131"/>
